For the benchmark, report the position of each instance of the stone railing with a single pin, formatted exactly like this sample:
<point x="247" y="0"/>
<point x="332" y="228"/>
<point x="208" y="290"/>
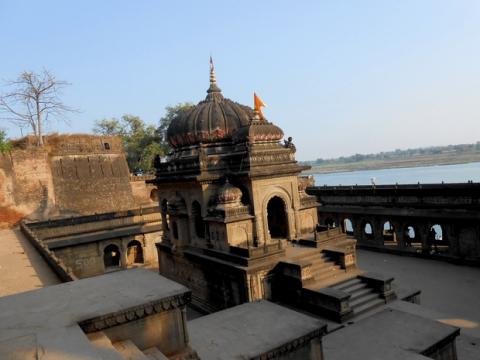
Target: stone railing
<point x="65" y="274"/>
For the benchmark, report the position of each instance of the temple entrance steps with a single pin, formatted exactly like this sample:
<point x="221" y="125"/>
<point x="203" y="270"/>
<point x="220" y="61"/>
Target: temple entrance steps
<point x="363" y="297"/>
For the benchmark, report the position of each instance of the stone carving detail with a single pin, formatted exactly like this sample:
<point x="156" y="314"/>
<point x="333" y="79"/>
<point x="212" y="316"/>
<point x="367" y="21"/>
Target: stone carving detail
<point x="134" y="313"/>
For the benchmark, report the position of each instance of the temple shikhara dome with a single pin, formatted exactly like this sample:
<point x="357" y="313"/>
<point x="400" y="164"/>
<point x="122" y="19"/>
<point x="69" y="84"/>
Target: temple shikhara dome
<point x="218" y="119"/>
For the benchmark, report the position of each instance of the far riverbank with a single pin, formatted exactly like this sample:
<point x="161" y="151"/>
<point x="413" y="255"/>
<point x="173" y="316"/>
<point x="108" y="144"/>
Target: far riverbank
<point x="418" y="161"/>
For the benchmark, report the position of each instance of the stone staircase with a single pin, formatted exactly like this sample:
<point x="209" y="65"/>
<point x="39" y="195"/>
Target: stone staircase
<point x="323" y="282"/>
<point x="363" y="298"/>
<point x="324" y="271"/>
<point x="122" y="350"/>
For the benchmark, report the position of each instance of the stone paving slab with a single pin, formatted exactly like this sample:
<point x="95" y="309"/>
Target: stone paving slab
<point x="387" y="335"/>
<point x="21" y="266"/>
<point x="450" y="290"/>
<point x="248" y="330"/>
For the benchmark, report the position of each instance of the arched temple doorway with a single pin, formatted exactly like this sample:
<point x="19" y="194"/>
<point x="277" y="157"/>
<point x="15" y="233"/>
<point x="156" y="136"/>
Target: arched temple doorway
<point x="277" y="218"/>
<point x="111" y="257"/>
<point x="134" y="253"/>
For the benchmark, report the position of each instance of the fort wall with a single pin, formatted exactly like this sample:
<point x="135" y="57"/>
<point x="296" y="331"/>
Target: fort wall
<point x="70" y="175"/>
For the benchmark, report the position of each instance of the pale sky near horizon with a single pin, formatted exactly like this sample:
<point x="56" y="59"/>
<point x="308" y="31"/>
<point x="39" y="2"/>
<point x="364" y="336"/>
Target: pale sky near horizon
<point x="340" y="77"/>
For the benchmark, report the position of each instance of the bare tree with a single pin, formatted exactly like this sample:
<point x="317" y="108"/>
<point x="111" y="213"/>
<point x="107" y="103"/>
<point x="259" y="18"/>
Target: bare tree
<point x="32" y="100"/>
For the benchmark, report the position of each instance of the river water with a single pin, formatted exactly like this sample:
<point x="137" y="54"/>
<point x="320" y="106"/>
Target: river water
<point x="458" y="173"/>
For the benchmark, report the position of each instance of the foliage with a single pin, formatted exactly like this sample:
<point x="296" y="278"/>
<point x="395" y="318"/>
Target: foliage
<point x="32" y="100"/>
<point x="142" y="142"/>
<point x="5" y="145"/>
<point x="171" y="112"/>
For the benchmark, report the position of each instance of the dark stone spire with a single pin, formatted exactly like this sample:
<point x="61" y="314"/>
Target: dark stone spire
<point x="214" y="92"/>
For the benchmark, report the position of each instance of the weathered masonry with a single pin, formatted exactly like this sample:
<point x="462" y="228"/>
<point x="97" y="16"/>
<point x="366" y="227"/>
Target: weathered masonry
<point x="238" y="225"/>
<point x="94" y="244"/>
<point x="436" y="219"/>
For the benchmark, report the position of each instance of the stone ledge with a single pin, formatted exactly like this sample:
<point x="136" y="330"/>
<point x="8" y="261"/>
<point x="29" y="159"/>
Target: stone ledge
<point x="135" y="313"/>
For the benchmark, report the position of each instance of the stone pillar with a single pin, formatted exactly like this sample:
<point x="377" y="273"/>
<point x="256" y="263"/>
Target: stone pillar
<point x="400" y="235"/>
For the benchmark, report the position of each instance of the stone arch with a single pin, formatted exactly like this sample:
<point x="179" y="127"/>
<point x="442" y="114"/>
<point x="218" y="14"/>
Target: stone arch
<point x="347" y="226"/>
<point x="412" y="236"/>
<point x="111" y="257"/>
<point x="285" y="197"/>
<point x="277" y="218"/>
<point x="135" y="253"/>
<point x="198" y="222"/>
<point x="436" y="240"/>
<point x="388" y="233"/>
<point x="368" y="230"/>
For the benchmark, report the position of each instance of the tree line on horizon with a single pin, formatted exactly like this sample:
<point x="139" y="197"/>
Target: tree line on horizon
<point x="398" y="154"/>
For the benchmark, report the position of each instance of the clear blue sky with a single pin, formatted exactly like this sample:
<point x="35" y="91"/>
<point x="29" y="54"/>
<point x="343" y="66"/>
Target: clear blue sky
<point x="341" y="77"/>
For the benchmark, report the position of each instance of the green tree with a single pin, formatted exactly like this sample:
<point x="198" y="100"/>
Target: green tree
<point x="139" y="139"/>
<point x="108" y="127"/>
<point x="171" y="112"/>
<point x="5" y="144"/>
<point x="142" y="142"/>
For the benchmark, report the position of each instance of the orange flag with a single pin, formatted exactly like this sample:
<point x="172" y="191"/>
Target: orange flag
<point x="258" y="104"/>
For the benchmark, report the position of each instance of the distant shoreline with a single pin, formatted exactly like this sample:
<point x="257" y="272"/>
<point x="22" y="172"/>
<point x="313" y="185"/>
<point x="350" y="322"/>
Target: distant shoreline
<point x="395" y="164"/>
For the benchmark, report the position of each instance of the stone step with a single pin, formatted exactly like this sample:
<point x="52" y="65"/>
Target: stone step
<point x="154" y="353"/>
<point x="355" y="287"/>
<point x="322" y="265"/>
<point x="348" y="283"/>
<point x="368" y="306"/>
<point x="129" y="350"/>
<point x="363" y="300"/>
<point x="332" y="279"/>
<point x="326" y="270"/>
<point x="327" y="273"/>
<point x="310" y="256"/>
<point x="104" y="347"/>
<point x="360" y="292"/>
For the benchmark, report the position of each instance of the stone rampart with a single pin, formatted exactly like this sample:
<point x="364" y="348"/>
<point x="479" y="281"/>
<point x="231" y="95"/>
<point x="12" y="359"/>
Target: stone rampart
<point x="70" y="175"/>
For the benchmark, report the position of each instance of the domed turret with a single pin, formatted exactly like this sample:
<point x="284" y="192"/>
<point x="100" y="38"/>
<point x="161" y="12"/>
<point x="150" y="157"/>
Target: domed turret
<point x="211" y="120"/>
<point x="229" y="194"/>
<point x="258" y="130"/>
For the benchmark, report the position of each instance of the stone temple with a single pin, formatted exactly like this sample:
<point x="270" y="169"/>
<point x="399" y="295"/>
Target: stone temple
<point x="234" y="210"/>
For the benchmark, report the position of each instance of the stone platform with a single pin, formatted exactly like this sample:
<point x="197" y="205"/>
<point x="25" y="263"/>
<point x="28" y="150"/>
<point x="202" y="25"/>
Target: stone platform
<point x="257" y="330"/>
<point x="390" y="335"/>
<point x="52" y="323"/>
<point x="21" y="266"/>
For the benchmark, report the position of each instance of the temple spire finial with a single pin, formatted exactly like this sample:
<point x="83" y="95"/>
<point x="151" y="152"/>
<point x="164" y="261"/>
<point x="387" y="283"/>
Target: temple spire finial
<point x="213" y="89"/>
<point x="212" y="72"/>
